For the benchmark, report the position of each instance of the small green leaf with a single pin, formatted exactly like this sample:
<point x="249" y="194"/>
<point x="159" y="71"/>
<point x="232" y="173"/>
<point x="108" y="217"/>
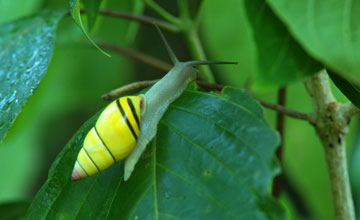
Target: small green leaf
<point x="13" y="210"/>
<point x="280" y="58"/>
<point x="351" y="91"/>
<point x="92" y="9"/>
<point x="212" y="158"/>
<point x="75" y="13"/>
<point x="26" y="47"/>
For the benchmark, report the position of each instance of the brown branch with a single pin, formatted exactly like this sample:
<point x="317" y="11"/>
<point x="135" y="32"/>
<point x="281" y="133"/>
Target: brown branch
<point x="139" y="18"/>
<point x="280" y="127"/>
<point x="151" y="61"/>
<point x="285" y="110"/>
<point x="127" y="88"/>
<point x="211" y="86"/>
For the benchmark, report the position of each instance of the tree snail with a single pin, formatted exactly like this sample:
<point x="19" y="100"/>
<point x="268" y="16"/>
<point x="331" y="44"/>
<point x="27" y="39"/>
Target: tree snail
<point x="129" y="123"/>
<point x="112" y="138"/>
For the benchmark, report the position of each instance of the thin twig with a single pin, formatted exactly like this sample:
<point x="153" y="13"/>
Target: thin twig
<point x="140" y="18"/>
<point x="211" y="86"/>
<point x="198" y="53"/>
<point x="151" y="61"/>
<point x="280" y="127"/>
<point x="286" y="111"/>
<point x="127" y="88"/>
<point x="141" y="84"/>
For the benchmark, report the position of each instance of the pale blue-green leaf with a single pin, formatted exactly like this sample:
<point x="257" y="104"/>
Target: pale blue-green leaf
<point x="26" y="47"/>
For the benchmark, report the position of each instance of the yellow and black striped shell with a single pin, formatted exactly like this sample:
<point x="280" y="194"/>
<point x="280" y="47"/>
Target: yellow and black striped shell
<point x="112" y="138"/>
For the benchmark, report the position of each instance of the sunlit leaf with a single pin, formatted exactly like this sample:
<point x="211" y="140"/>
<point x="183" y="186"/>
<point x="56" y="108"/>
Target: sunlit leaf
<point x="75" y="13"/>
<point x="26" y="47"/>
<point x="212" y="158"/>
<point x="280" y="58"/>
<point x="328" y="30"/>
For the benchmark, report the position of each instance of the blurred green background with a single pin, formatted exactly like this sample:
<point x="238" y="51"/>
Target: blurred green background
<point x="79" y="74"/>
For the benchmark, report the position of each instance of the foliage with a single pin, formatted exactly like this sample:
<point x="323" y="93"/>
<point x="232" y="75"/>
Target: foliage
<point x="280" y="58"/>
<point x="328" y="31"/>
<point x="213" y="156"/>
<point x="162" y="188"/>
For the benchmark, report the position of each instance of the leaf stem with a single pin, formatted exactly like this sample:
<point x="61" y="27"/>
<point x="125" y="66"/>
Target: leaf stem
<point x="162" y="12"/>
<point x="285" y="111"/>
<point x="196" y="49"/>
<point x="330" y="119"/>
<point x="144" y="58"/>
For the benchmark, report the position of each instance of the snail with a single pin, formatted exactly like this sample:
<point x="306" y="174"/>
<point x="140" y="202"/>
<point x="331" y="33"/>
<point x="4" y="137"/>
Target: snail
<point x="129" y="123"/>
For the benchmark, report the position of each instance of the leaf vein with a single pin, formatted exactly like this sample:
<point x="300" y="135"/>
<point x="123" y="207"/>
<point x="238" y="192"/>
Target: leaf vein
<point x="254" y="150"/>
<point x="113" y="198"/>
<point x="208" y="195"/>
<point x="211" y="156"/>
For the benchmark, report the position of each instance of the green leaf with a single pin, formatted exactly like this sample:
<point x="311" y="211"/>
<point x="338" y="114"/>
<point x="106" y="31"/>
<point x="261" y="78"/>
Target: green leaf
<point x="75" y="13"/>
<point x="92" y="9"/>
<point x="225" y="43"/>
<point x="351" y="91"/>
<point x="26" y="47"/>
<point x="354" y="168"/>
<point x="328" y="30"/>
<point x="212" y="158"/>
<point x="138" y="8"/>
<point x="13" y="210"/>
<point x="280" y="58"/>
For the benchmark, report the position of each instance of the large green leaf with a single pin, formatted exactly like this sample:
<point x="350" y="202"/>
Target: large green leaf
<point x="26" y="47"/>
<point x="75" y="13"/>
<point x="280" y="58"/>
<point x="212" y="158"/>
<point x="328" y="30"/>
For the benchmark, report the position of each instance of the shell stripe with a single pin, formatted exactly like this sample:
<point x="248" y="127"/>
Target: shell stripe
<point x="97" y="133"/>
<point x="76" y="172"/>
<point x="91" y="159"/>
<point x="126" y="118"/>
<point x="133" y="111"/>
<point x="82" y="168"/>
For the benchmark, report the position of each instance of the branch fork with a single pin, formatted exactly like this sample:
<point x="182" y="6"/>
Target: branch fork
<point x="330" y="119"/>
